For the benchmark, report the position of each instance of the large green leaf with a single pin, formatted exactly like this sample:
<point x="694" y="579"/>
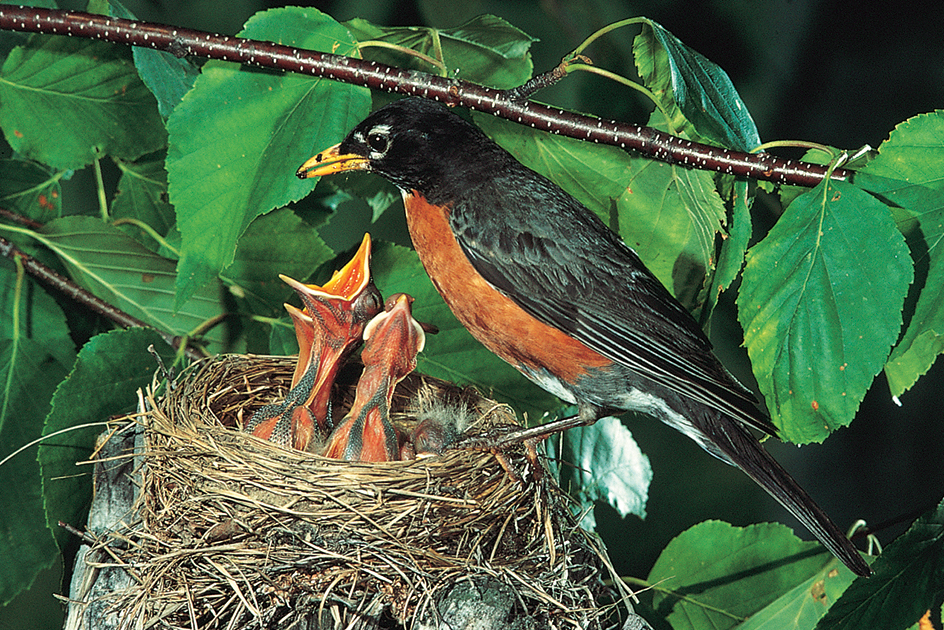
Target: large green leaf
<point x="908" y="171"/>
<point x="168" y="77"/>
<point x="669" y="215"/>
<point x="238" y="137"/>
<point x="277" y="243"/>
<point x="142" y="196"/>
<point x="485" y="50"/>
<point x="109" y="370"/>
<point x="68" y="101"/>
<point x="738" y="200"/>
<point x="821" y="306"/>
<point x="121" y="271"/>
<point x="716" y="575"/>
<point x="804" y="605"/>
<point x="602" y="463"/>
<point x="697" y="94"/>
<point x="30" y="189"/>
<point x="908" y="580"/>
<point x="452" y="354"/>
<point x="35" y="354"/>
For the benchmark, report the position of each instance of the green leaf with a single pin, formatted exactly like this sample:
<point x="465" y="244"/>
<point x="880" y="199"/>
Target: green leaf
<point x="35" y="354"/>
<point x="238" y="137"/>
<point x="486" y="50"/>
<point x="907" y="172"/>
<point x="109" y="370"/>
<point x="30" y="189"/>
<point x="121" y="271"/>
<point x="68" y="101"/>
<point x="26" y="545"/>
<point x="379" y="194"/>
<point x="669" y="215"/>
<point x="714" y="575"/>
<point x="738" y="199"/>
<point x="452" y="354"/>
<point x="909" y="577"/>
<point x="606" y="465"/>
<point x="41" y="319"/>
<point x="142" y="196"/>
<point x="166" y="76"/>
<point x="698" y="95"/>
<point x="282" y="340"/>
<point x="803" y="606"/>
<point x="278" y="242"/>
<point x="821" y="306"/>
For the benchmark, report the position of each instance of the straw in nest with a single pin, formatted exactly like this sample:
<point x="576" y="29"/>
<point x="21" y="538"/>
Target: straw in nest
<point x="229" y="531"/>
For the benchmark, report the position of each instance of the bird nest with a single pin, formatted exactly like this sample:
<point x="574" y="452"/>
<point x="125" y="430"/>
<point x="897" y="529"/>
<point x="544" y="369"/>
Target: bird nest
<point x="233" y="532"/>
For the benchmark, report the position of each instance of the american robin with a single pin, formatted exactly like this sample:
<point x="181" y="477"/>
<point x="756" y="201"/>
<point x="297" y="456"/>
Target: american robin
<point x="328" y="328"/>
<point x="392" y="340"/>
<point x="544" y="284"/>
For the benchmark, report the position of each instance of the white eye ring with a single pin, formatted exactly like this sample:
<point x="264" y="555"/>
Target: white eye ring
<point x="378" y="141"/>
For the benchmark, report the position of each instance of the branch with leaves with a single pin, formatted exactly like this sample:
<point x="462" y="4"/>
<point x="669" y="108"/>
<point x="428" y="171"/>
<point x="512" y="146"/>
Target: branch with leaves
<point x="510" y="104"/>
<point x="207" y="212"/>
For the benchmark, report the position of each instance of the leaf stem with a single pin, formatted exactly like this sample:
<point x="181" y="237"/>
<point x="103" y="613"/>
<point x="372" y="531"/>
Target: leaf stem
<point x="17" y="296"/>
<point x="207" y="325"/>
<point x="150" y="232"/>
<point x="802" y="144"/>
<point x="605" y="30"/>
<point x="438" y="49"/>
<point x="271" y="321"/>
<point x="100" y="185"/>
<point x="376" y="43"/>
<point x="619" y="79"/>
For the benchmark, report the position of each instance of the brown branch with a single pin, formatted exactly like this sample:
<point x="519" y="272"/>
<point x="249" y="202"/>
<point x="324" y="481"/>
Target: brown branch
<point x="63" y="285"/>
<point x="508" y="104"/>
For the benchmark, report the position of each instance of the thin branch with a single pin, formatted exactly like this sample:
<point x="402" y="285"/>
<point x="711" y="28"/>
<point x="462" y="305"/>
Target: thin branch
<point x="645" y="141"/>
<point x="60" y="283"/>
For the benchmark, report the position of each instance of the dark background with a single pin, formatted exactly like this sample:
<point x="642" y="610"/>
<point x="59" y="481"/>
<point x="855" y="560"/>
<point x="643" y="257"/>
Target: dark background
<point x="842" y="74"/>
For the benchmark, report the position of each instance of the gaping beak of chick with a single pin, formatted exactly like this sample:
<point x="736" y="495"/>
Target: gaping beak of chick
<point x="391" y="341"/>
<point x="394" y="338"/>
<point x="330" y="325"/>
<point x="333" y="314"/>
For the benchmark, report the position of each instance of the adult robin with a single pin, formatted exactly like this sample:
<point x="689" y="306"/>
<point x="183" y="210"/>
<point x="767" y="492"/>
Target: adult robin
<point x="392" y="340"/>
<point x="544" y="284"/>
<point x="327" y="329"/>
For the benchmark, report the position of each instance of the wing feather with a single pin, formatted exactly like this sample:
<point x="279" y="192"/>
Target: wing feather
<point x="567" y="269"/>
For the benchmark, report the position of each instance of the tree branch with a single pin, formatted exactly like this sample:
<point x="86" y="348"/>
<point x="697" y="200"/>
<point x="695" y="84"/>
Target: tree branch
<point x="508" y="104"/>
<point x="60" y="283"/>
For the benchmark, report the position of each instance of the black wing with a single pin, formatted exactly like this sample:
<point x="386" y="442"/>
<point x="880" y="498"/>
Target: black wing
<point x="559" y="262"/>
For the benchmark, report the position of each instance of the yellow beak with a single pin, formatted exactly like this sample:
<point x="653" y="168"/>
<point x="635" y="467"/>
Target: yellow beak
<point x="345" y="284"/>
<point x="330" y="161"/>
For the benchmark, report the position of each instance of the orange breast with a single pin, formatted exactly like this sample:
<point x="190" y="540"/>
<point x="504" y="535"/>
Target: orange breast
<point x="496" y="321"/>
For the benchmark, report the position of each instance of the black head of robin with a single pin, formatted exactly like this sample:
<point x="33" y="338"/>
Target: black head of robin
<point x="544" y="284"/>
<point x="330" y="325"/>
<point x="392" y="340"/>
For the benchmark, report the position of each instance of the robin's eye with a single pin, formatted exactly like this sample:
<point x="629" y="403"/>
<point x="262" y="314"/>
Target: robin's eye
<point x="378" y="142"/>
